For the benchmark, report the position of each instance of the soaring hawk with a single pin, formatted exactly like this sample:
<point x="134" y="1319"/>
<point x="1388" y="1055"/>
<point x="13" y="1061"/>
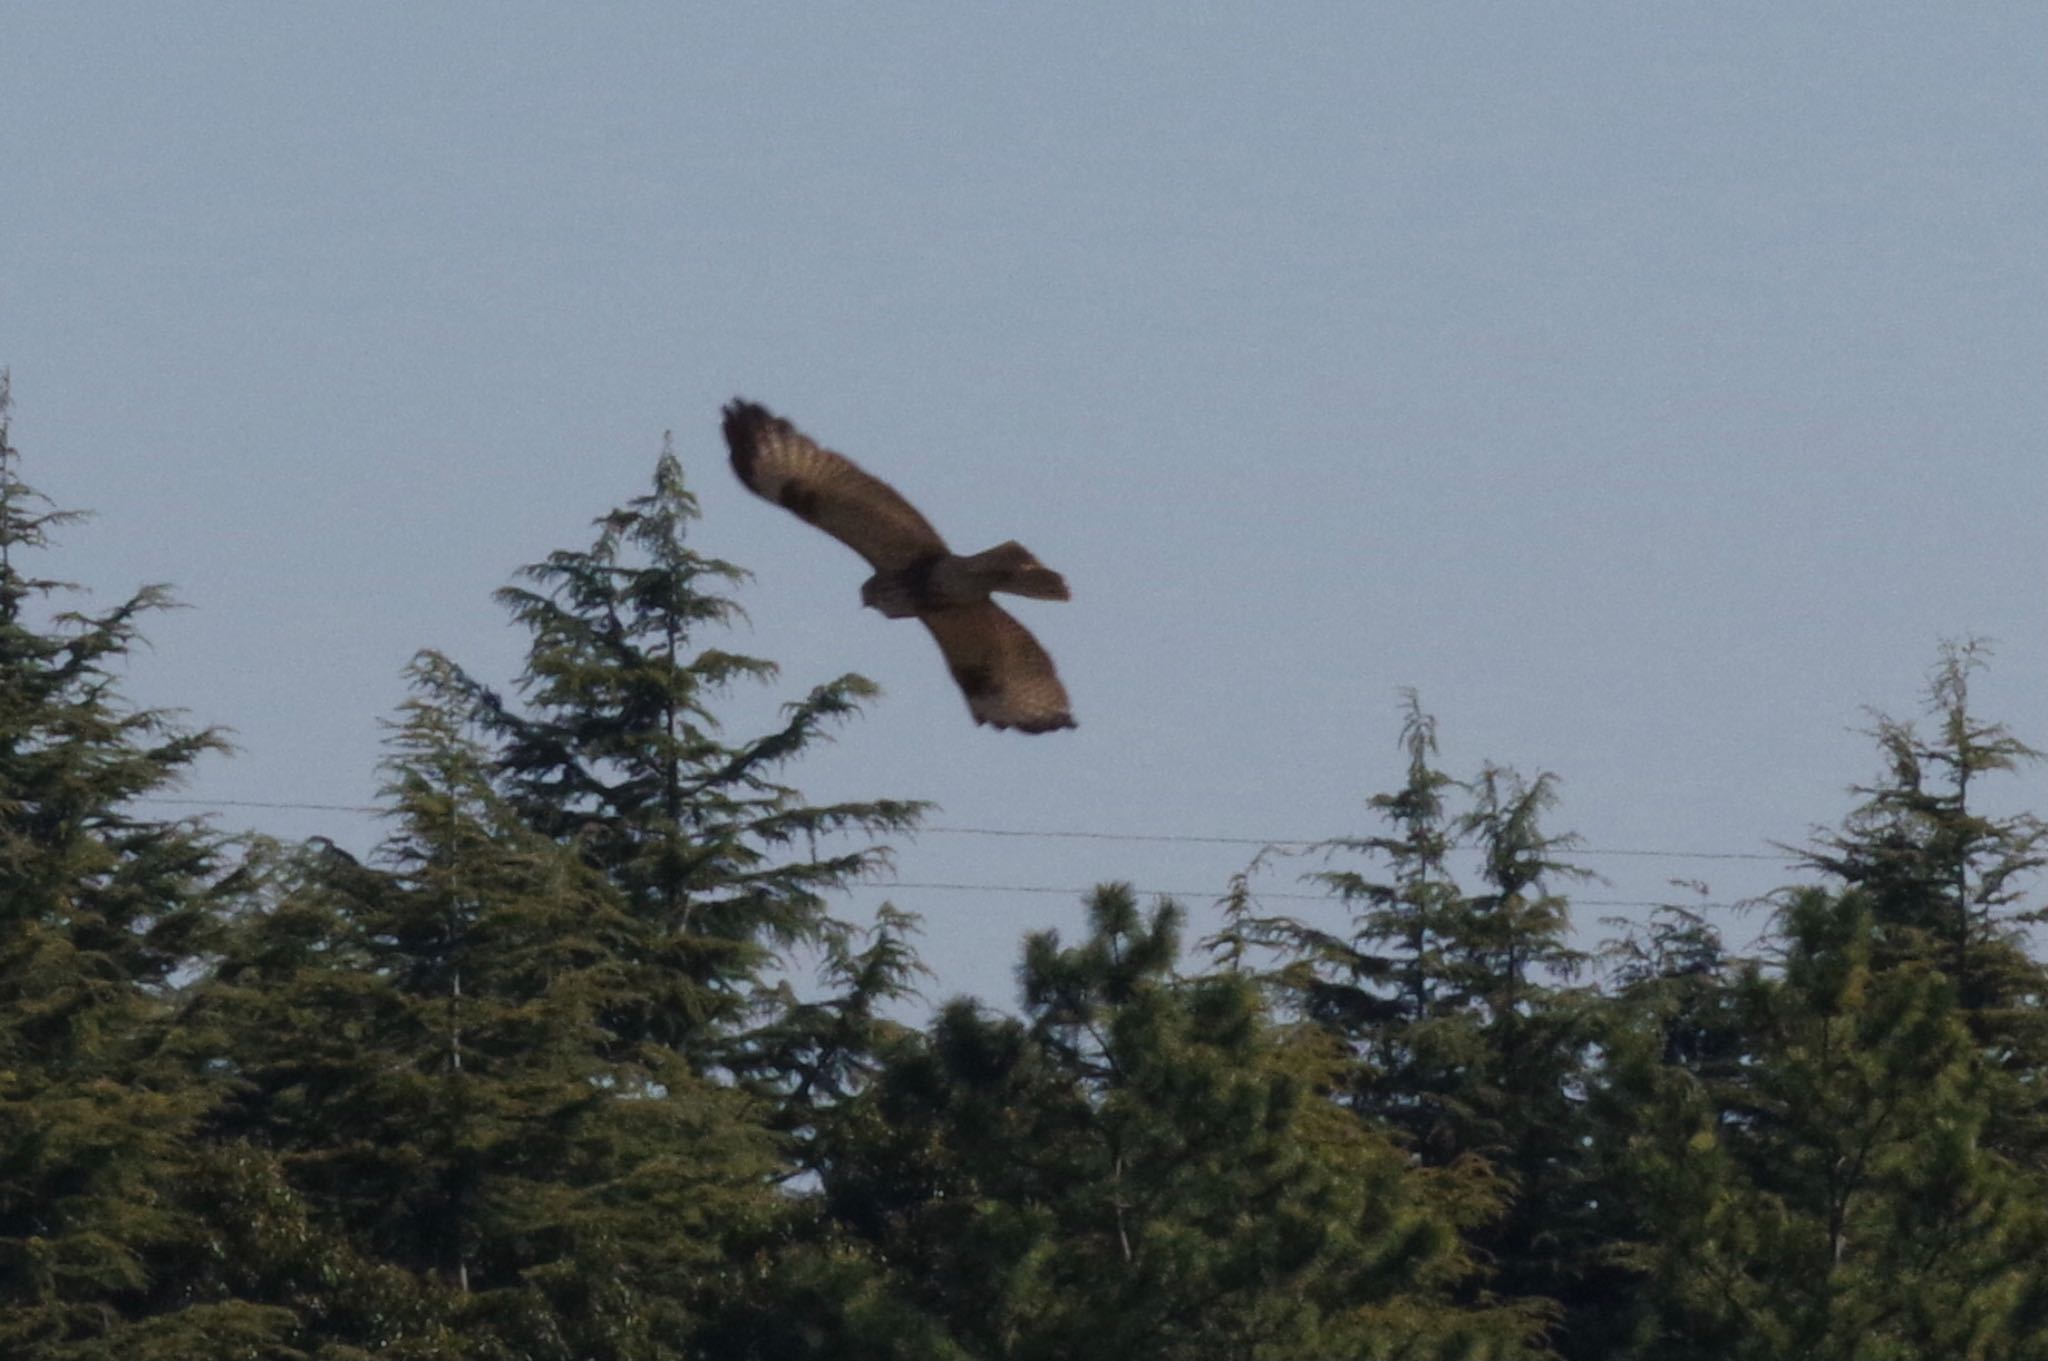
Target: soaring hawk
<point x="1008" y="679"/>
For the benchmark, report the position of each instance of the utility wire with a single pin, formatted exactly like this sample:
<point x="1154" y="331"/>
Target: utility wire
<point x="1211" y="893"/>
<point x="1038" y="834"/>
<point x="1050" y="834"/>
<point x="1301" y="841"/>
<point x="260" y="803"/>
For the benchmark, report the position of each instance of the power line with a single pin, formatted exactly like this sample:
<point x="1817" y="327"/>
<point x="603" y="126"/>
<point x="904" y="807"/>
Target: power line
<point x="1039" y="834"/>
<point x="1054" y="834"/>
<point x="1285" y="841"/>
<point x="1210" y="893"/>
<point x="262" y="803"/>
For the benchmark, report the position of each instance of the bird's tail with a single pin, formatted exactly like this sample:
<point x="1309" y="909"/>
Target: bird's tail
<point x="1011" y="567"/>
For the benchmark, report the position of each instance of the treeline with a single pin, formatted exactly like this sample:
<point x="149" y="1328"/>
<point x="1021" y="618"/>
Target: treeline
<point x="526" y="1084"/>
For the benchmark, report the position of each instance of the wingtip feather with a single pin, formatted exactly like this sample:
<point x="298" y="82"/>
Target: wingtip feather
<point x="745" y="425"/>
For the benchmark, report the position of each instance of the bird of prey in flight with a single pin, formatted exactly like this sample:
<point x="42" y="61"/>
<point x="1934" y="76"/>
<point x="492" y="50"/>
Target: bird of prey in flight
<point x="1007" y="677"/>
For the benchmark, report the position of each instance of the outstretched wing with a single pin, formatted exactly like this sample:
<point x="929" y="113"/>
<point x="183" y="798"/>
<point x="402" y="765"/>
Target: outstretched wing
<point x="1007" y="677"/>
<point x="778" y="462"/>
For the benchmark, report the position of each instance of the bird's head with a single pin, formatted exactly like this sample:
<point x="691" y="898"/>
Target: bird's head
<point x="887" y="592"/>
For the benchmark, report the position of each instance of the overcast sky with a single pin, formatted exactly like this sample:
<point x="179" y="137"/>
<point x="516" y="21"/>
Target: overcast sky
<point x="1652" y="387"/>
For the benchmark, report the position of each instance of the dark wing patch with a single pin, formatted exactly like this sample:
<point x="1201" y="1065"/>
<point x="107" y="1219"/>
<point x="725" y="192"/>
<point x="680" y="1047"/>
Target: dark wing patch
<point x="1007" y="677"/>
<point x="780" y="463"/>
<point x="799" y="499"/>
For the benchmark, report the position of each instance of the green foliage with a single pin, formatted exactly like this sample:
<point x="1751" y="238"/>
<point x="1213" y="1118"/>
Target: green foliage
<point x="1141" y="1166"/>
<point x="810" y="1055"/>
<point x="1946" y="880"/>
<point x="496" y="1062"/>
<point x="531" y="1081"/>
<point x="1947" y="883"/>
<point x="621" y="755"/>
<point x="423" y="1044"/>
<point x="1435" y="990"/>
<point x="1451" y="1006"/>
<point x="1840" y="1156"/>
<point x="100" y="1230"/>
<point x="1831" y="1197"/>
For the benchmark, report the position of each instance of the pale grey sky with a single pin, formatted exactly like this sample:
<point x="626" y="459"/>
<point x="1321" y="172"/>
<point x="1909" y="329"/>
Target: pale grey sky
<point x="1650" y="386"/>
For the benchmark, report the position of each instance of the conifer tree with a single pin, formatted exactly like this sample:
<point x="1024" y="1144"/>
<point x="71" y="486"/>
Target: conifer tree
<point x="1384" y="984"/>
<point x="1141" y="1166"/>
<point x="1673" y="980"/>
<point x="1947" y="882"/>
<point x="1432" y="987"/>
<point x="1450" y="1003"/>
<point x="423" y="1042"/>
<point x="619" y="753"/>
<point x="500" y="1055"/>
<point x="1527" y="1105"/>
<point x="814" y="1054"/>
<point x="1670" y="1029"/>
<point x="102" y="1241"/>
<point x="1831" y="1196"/>
<point x="1955" y="887"/>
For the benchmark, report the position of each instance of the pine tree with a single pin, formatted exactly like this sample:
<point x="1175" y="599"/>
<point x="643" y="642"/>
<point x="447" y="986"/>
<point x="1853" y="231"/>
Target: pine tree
<point x="1673" y="980"/>
<point x="1948" y="883"/>
<point x="1831" y="1196"/>
<point x="501" y="1057"/>
<point x="1452" y="1006"/>
<point x="1527" y="1096"/>
<point x="1141" y="1166"/>
<point x="1433" y="989"/>
<point x="422" y="1041"/>
<point x="815" y="1054"/>
<point x="1670" y="1030"/>
<point x="101" y="910"/>
<point x="1383" y="985"/>
<point x="621" y="755"/>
